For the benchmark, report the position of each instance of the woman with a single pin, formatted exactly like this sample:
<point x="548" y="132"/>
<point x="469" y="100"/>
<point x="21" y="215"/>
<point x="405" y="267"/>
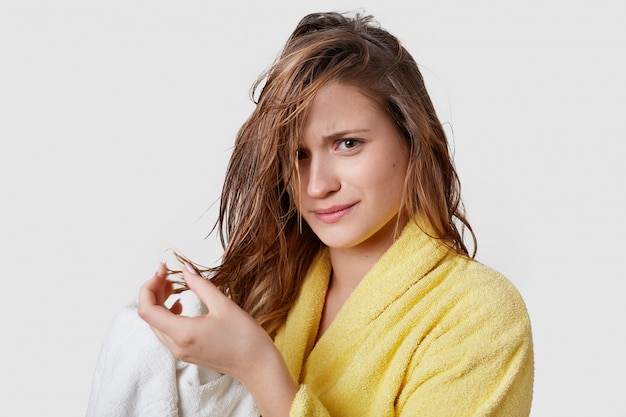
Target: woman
<point x="346" y="287"/>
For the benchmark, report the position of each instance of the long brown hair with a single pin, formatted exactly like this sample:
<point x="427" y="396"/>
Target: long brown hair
<point x="267" y="247"/>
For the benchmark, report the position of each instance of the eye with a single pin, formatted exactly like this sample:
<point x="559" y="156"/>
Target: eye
<point x="347" y="144"/>
<point x="302" y="154"/>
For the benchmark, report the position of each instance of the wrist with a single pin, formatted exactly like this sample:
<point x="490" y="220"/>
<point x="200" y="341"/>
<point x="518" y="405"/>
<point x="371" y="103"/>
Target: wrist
<point x="271" y="384"/>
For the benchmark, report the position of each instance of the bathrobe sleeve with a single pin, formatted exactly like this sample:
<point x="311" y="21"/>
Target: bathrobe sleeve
<point x="478" y="361"/>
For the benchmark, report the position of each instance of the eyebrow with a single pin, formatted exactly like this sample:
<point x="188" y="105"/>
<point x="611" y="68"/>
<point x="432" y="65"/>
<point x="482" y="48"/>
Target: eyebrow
<point x="342" y="134"/>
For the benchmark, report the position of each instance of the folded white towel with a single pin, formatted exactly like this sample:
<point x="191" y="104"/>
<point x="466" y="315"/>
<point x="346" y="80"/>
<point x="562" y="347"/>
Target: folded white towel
<point x="137" y="376"/>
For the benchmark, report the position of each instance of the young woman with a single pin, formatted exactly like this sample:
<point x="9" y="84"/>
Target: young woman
<point x="346" y="287"/>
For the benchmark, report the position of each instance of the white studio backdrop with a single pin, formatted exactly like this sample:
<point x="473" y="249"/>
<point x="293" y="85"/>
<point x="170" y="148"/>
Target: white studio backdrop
<point x="116" y="122"/>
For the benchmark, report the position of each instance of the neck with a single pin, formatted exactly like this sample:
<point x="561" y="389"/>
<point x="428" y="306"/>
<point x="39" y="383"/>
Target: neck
<point x="350" y="265"/>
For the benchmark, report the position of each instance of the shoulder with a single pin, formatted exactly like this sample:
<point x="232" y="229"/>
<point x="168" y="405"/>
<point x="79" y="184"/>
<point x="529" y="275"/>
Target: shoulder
<point x="475" y="336"/>
<point x="483" y="281"/>
<point x="477" y="292"/>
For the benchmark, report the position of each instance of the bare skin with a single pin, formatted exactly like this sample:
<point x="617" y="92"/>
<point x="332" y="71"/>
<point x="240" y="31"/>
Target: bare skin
<point x="239" y="346"/>
<point x="353" y="166"/>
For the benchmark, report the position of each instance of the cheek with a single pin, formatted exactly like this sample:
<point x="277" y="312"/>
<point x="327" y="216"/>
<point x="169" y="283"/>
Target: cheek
<point x="388" y="174"/>
<point x="390" y="185"/>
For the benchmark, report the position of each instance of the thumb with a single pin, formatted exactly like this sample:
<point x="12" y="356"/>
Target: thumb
<point x="208" y="293"/>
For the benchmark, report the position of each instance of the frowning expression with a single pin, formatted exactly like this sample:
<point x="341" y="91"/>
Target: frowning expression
<point x="353" y="164"/>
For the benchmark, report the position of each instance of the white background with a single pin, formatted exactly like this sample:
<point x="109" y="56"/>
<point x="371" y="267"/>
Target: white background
<point x="116" y="122"/>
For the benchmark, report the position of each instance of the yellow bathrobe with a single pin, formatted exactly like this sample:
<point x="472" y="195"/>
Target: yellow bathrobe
<point x="426" y="333"/>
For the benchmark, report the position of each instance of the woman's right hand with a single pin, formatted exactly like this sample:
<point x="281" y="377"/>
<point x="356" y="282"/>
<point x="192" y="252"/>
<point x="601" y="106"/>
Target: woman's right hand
<point x="226" y="339"/>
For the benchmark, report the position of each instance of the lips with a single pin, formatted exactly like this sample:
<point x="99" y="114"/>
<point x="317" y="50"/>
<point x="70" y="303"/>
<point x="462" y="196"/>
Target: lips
<point x="333" y="214"/>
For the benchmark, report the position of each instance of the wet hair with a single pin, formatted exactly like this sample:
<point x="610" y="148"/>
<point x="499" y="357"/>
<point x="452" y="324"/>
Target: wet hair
<point x="267" y="247"/>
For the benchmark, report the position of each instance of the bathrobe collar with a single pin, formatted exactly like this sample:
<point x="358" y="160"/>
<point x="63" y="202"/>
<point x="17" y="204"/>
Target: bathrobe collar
<point x="411" y="257"/>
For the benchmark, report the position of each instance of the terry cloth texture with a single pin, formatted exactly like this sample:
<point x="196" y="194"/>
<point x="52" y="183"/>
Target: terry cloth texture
<point x="426" y="333"/>
<point x="137" y="376"/>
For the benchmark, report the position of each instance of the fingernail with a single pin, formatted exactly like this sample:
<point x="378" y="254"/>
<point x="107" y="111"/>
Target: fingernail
<point x="190" y="268"/>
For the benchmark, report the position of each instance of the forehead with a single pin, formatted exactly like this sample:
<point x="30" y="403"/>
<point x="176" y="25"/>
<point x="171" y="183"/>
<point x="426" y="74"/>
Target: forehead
<point x="341" y="107"/>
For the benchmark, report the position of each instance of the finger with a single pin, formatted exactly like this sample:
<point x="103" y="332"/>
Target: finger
<point x="159" y="317"/>
<point x="158" y="286"/>
<point x="208" y="293"/>
<point x="161" y="270"/>
<point x="150" y="305"/>
<point x="177" y="307"/>
<point x="158" y="279"/>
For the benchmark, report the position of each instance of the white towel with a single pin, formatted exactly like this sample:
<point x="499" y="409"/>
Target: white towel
<point x="137" y="376"/>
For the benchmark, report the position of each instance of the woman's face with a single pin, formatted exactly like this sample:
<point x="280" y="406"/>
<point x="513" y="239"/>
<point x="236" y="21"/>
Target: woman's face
<point x="353" y="165"/>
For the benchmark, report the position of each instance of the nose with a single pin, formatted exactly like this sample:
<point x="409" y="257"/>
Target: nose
<point x="321" y="178"/>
